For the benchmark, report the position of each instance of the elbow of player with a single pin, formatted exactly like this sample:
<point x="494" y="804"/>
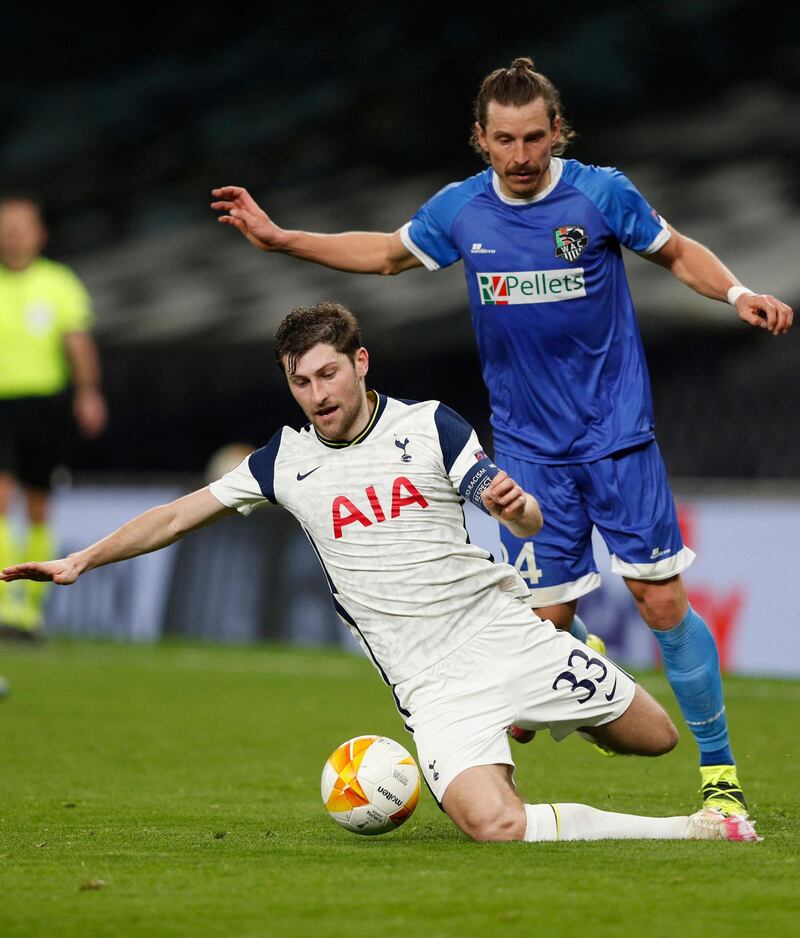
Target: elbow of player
<point x="175" y="527"/>
<point x="390" y="264"/>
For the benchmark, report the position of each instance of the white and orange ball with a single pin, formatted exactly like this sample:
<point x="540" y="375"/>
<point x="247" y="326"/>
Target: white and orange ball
<point x="370" y="785"/>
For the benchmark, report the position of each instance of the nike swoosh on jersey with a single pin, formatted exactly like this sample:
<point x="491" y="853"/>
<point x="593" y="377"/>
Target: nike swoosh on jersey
<point x="610" y="696"/>
<point x="306" y="474"/>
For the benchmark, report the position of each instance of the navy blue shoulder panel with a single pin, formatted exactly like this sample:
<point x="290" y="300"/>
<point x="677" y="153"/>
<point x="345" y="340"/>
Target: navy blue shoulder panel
<point x="262" y="465"/>
<point x="454" y="433"/>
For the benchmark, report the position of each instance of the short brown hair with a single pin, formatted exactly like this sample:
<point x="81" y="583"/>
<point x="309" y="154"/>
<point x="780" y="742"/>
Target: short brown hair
<point x="516" y="86"/>
<point x="325" y="323"/>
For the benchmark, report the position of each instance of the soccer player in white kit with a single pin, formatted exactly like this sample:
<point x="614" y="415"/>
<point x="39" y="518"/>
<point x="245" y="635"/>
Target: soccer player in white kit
<point x="378" y="486"/>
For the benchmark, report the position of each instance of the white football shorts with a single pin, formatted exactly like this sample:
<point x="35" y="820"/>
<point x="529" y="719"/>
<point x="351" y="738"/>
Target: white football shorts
<point x="518" y="669"/>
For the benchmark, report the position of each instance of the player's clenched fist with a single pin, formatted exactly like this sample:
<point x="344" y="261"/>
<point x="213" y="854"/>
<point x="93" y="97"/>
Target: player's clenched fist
<point x="512" y="505"/>
<point x="504" y="497"/>
<point x="241" y="211"/>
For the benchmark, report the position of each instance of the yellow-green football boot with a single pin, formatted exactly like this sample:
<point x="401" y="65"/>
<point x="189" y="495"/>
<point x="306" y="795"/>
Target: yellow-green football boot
<point x="719" y="786"/>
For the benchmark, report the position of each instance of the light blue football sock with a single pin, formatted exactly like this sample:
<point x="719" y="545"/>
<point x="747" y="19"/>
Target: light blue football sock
<point x="578" y="629"/>
<point x="691" y="664"/>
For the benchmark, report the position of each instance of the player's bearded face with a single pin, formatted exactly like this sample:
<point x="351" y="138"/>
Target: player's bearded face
<point x="330" y="388"/>
<point x="518" y="142"/>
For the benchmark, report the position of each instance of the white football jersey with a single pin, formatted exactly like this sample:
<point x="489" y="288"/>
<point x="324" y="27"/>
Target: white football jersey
<point x="384" y="515"/>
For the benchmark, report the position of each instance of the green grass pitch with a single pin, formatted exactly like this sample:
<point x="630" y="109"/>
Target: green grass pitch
<point x="174" y="790"/>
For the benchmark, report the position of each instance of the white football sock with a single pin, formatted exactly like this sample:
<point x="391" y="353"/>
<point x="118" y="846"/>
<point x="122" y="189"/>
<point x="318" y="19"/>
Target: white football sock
<point x="580" y="822"/>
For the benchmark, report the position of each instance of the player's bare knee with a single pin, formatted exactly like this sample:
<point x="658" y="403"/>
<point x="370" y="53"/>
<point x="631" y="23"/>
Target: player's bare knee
<point x="662" y="611"/>
<point x="660" y="736"/>
<point x="486" y="814"/>
<point x="505" y="823"/>
<point x="661" y="604"/>
<point x="645" y="729"/>
<point x="665" y="736"/>
<point x="672" y="737"/>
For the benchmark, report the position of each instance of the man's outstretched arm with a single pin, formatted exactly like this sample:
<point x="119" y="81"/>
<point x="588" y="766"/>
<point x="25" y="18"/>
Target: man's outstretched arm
<point x="152" y="530"/>
<point x="361" y="252"/>
<point x="699" y="268"/>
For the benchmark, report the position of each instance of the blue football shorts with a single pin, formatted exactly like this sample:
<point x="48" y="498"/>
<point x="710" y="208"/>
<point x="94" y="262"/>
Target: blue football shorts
<point x="626" y="496"/>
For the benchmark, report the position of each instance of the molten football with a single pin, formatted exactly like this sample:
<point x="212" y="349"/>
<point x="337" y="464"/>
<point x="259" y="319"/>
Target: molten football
<point x="370" y="785"/>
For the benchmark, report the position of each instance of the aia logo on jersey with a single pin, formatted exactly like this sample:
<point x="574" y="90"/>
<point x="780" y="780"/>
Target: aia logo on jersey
<point x="344" y="511"/>
<point x="570" y="241"/>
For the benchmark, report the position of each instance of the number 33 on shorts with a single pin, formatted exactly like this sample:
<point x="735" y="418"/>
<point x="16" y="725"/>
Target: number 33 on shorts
<point x="583" y="674"/>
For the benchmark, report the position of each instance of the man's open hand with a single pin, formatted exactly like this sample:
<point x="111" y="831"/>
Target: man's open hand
<point x="241" y="211"/>
<point x="63" y="572"/>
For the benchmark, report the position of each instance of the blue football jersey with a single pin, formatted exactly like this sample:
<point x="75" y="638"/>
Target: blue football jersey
<point x="560" y="348"/>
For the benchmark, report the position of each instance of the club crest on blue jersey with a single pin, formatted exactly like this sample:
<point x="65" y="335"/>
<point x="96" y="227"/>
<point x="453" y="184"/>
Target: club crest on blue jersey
<point x="405" y="457"/>
<point x="570" y="241"/>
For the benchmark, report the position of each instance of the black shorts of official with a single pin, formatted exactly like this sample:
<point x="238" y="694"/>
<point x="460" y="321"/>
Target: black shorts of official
<point x="35" y="437"/>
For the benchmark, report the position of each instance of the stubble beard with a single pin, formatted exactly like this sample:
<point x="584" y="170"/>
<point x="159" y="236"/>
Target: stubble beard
<point x="347" y="420"/>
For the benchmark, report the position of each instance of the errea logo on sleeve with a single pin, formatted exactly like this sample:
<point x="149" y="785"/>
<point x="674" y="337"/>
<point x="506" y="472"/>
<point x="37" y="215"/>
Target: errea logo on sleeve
<point x="531" y="286"/>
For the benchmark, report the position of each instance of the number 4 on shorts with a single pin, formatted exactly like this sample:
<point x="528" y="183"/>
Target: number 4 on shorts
<point x="525" y="564"/>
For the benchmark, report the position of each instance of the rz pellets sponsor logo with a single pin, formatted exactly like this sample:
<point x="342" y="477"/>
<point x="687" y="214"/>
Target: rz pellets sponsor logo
<point x="531" y="286"/>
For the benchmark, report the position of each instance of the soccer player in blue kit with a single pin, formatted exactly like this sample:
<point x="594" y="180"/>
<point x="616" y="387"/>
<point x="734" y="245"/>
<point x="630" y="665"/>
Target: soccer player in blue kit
<point x="562" y="358"/>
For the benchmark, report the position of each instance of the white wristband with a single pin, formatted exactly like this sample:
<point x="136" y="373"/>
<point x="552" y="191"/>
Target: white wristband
<point x="736" y="291"/>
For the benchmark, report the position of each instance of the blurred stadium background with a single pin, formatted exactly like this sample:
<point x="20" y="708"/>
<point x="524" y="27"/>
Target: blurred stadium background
<point x="123" y="126"/>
